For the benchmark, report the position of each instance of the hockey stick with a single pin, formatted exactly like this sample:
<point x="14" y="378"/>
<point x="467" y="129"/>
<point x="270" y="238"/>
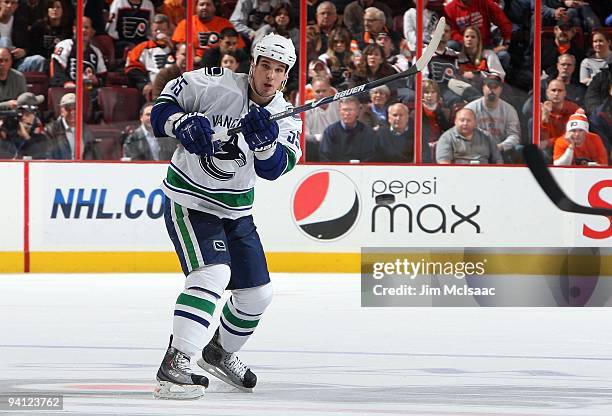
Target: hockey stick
<point x="417" y="67"/>
<point x="537" y="166"/>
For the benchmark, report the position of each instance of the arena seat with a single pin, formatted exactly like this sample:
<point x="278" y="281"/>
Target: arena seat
<point x="107" y="45"/>
<point x="38" y="83"/>
<point x="107" y="141"/>
<point x="55" y="94"/>
<point x="119" y="104"/>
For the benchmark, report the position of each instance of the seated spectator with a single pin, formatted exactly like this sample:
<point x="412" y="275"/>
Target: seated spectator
<point x="347" y="140"/>
<point x="372" y="67"/>
<point x="598" y="89"/>
<point x="556" y="111"/>
<point x="15" y="36"/>
<point x="432" y="11"/>
<point x="395" y="143"/>
<point x="373" y="24"/>
<point x="393" y="56"/>
<point x="353" y="16"/>
<point x="577" y="146"/>
<point x="326" y="20"/>
<point x="141" y="144"/>
<point x="338" y="56"/>
<point x="12" y="82"/>
<point x="577" y="12"/>
<point x="129" y="23"/>
<point x="63" y="63"/>
<point x="30" y="11"/>
<point x="564" y="43"/>
<point x="47" y="32"/>
<point x="230" y="61"/>
<point x="436" y="120"/>
<point x="146" y="59"/>
<point x="600" y="58"/>
<point x="498" y="118"/>
<point x="249" y="15"/>
<point x="171" y="71"/>
<point x="475" y="61"/>
<point x="176" y="11"/>
<point x="574" y="90"/>
<point x="601" y="121"/>
<point x="228" y="42"/>
<point x="281" y="23"/>
<point x="481" y="14"/>
<point x="467" y="144"/>
<point x="316" y="68"/>
<point x="62" y="133"/>
<point x="23" y="137"/>
<point x="374" y="113"/>
<point x="319" y="118"/>
<point x="206" y="29"/>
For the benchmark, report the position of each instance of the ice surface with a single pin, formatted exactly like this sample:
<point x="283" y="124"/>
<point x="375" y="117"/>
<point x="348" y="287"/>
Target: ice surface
<point x="98" y="340"/>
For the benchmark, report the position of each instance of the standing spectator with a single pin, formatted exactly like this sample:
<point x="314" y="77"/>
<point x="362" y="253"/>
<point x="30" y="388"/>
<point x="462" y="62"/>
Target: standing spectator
<point x="577" y="146"/>
<point x="475" y="61"/>
<point x="62" y="133"/>
<point x="12" y="82"/>
<point x="146" y="59"/>
<point x="601" y="57"/>
<point x="171" y="71"/>
<point x="480" y="14"/>
<point x="353" y="16"/>
<point x="50" y="30"/>
<point x="228" y="42"/>
<point x="348" y="139"/>
<point x="24" y="137"/>
<point x="395" y="142"/>
<point x="15" y="36"/>
<point x="249" y="15"/>
<point x="280" y="22"/>
<point x="556" y="111"/>
<point x="319" y="118"/>
<point x="141" y="144"/>
<point x="129" y="23"/>
<point x="206" y="28"/>
<point x="373" y="24"/>
<point x="564" y="43"/>
<point x="467" y="144"/>
<point x="436" y="120"/>
<point x="432" y="11"/>
<point x="498" y="118"/>
<point x="375" y="112"/>
<point x="63" y="62"/>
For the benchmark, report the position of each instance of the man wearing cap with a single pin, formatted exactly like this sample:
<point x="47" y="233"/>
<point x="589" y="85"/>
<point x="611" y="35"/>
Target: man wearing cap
<point x="12" y="82"/>
<point x="146" y="59"/>
<point x="563" y="43"/>
<point x="23" y="138"/>
<point x="62" y="133"/>
<point x="578" y="146"/>
<point x="497" y="117"/>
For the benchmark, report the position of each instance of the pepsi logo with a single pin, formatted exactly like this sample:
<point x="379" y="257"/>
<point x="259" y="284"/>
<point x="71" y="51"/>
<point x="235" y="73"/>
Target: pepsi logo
<point x="326" y="205"/>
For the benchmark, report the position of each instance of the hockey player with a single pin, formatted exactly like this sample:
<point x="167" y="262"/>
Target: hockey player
<point x="209" y="190"/>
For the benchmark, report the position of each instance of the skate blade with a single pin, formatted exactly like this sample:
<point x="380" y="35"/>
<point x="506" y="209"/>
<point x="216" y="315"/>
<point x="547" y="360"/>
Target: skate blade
<point x="214" y="372"/>
<point x="166" y="390"/>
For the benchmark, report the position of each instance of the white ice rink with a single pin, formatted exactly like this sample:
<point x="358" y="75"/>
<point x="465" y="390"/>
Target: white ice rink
<point x="98" y="340"/>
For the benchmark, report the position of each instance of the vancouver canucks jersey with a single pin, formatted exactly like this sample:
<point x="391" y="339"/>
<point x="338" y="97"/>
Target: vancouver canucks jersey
<point x="221" y="185"/>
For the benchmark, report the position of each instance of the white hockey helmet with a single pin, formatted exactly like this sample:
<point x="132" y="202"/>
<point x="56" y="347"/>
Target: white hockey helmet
<point x="275" y="47"/>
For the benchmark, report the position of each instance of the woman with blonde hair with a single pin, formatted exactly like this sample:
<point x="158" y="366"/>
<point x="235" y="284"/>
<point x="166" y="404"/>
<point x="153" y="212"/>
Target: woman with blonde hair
<point x="474" y="59"/>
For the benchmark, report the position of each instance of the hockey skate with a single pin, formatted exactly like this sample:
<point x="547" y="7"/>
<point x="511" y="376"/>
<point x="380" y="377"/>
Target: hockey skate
<point x="226" y="366"/>
<point x="175" y="379"/>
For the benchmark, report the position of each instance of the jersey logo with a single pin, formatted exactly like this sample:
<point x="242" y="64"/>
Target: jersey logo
<point x="134" y="27"/>
<point x="214" y="71"/>
<point x="219" y="245"/>
<point x="228" y="151"/>
<point x="207" y="39"/>
<point x="161" y="59"/>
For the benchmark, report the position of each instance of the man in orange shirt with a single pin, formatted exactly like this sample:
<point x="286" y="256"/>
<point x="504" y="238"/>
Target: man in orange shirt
<point x="578" y="146"/>
<point x="556" y="111"/>
<point x="206" y="29"/>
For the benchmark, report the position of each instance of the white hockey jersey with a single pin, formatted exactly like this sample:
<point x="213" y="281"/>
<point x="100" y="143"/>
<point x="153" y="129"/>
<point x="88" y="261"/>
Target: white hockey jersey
<point x="65" y="54"/>
<point x="222" y="185"/>
<point x="130" y="23"/>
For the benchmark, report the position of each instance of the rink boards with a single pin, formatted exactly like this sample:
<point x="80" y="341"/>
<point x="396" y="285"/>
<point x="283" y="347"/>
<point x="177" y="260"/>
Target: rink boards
<point x="96" y="217"/>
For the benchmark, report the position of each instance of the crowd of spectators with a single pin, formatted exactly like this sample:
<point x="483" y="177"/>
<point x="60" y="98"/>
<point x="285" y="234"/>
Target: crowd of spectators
<point x="476" y="99"/>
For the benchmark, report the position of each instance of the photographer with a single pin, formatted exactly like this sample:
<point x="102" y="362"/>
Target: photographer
<point x="21" y="135"/>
